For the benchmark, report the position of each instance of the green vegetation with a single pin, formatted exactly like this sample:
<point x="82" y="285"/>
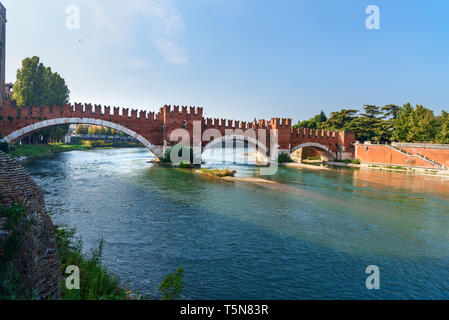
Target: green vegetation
<point x="95" y="281"/>
<point x="284" y="158"/>
<point x="103" y="144"/>
<point x="183" y="165"/>
<point x="10" y="288"/>
<point x="172" y="286"/>
<point x="220" y="173"/>
<point x="42" y="150"/>
<point x="97" y="130"/>
<point x="386" y="124"/>
<point x="167" y="155"/>
<point x="313" y="123"/>
<point x="355" y="161"/>
<point x="37" y="85"/>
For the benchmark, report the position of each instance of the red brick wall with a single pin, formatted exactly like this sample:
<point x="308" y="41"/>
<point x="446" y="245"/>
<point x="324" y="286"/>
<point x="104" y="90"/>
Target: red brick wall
<point x="158" y="128"/>
<point x="381" y="154"/>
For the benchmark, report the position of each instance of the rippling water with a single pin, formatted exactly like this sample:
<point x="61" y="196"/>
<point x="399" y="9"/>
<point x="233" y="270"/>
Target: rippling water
<point x="311" y="237"/>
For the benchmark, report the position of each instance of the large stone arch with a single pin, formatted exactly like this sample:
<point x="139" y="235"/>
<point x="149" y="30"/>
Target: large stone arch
<point x="331" y="154"/>
<point x="261" y="152"/>
<point x="21" y="133"/>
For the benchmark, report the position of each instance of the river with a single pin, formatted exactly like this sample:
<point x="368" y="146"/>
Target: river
<point x="311" y="237"/>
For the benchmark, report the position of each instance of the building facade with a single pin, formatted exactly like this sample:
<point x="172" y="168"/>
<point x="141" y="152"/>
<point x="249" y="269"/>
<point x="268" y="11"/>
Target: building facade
<point x="2" y="50"/>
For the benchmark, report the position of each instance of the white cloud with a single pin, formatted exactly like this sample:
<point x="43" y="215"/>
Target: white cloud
<point x="163" y="21"/>
<point x="171" y="51"/>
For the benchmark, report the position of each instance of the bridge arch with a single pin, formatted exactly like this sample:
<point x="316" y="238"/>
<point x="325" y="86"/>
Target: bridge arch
<point x="21" y="133"/>
<point x="331" y="155"/>
<point x="261" y="156"/>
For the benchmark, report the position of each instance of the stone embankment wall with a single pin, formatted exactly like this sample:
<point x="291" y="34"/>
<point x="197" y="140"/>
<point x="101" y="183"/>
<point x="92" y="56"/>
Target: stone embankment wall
<point x="436" y="152"/>
<point x="407" y="155"/>
<point x="37" y="259"/>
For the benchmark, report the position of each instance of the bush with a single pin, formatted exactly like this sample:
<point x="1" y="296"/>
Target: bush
<point x="167" y="155"/>
<point x="284" y="158"/>
<point x="95" y="281"/>
<point x="183" y="165"/>
<point x="4" y="147"/>
<point x="172" y="286"/>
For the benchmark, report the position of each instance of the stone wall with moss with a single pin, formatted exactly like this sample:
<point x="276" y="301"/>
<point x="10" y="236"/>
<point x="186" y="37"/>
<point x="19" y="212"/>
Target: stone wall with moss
<point x="34" y="263"/>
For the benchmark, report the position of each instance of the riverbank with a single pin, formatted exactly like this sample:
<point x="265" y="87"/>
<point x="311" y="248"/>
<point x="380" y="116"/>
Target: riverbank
<point x="28" y="151"/>
<point x="330" y="166"/>
<point x="96" y="283"/>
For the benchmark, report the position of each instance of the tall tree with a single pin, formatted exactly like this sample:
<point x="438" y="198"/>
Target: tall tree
<point x="415" y="124"/>
<point x="341" y="120"/>
<point x="56" y="92"/>
<point x="30" y="86"/>
<point x="371" y="111"/>
<point x="391" y="111"/>
<point x="443" y="132"/>
<point x="423" y="128"/>
<point x="313" y="123"/>
<point x="37" y="85"/>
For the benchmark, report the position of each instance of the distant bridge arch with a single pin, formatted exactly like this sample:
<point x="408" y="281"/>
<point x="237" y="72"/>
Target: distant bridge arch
<point x="331" y="155"/>
<point x="261" y="156"/>
<point x="21" y="133"/>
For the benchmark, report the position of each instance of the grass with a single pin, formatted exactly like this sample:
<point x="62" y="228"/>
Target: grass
<point x="42" y="150"/>
<point x="220" y="173"/>
<point x="95" y="281"/>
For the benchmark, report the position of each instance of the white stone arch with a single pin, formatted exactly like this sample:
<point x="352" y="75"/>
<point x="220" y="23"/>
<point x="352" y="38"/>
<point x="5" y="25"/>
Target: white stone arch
<point x="331" y="153"/>
<point x="261" y="152"/>
<point x="19" y="134"/>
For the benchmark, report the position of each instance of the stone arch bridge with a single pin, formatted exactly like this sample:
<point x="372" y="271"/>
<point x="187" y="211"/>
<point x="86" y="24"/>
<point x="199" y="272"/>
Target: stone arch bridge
<point x="155" y="130"/>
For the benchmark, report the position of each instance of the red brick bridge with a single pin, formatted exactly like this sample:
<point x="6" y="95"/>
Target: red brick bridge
<point x="155" y="130"/>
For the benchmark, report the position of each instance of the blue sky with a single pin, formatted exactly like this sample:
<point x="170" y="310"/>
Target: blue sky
<point x="239" y="59"/>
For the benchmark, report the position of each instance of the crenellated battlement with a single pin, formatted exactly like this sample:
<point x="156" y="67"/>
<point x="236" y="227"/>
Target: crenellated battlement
<point x="182" y="111"/>
<point x="157" y="127"/>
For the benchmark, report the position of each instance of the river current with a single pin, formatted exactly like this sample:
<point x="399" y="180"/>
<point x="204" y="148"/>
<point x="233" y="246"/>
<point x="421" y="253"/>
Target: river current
<point x="310" y="237"/>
